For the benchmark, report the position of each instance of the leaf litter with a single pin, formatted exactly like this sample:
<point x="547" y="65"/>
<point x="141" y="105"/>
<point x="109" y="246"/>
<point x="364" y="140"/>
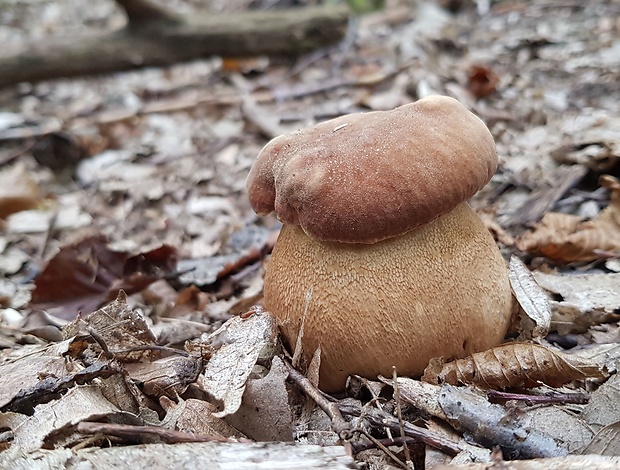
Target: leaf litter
<point x="135" y="183"/>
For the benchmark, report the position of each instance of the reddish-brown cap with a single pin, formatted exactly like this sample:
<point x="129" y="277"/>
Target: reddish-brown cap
<point x="366" y="177"/>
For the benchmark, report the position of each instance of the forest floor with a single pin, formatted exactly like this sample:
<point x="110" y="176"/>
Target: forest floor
<point x="136" y="180"/>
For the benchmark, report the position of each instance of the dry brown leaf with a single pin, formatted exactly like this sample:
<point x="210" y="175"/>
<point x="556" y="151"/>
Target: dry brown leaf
<point x="18" y="191"/>
<point x="483" y="81"/>
<point x="579" y="301"/>
<point x="513" y="365"/>
<point x="124" y="331"/>
<point x="169" y="376"/>
<point x="564" y="238"/>
<point x="84" y="275"/>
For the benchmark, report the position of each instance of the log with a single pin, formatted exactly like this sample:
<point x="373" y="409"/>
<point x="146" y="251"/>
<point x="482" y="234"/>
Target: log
<point x="154" y="36"/>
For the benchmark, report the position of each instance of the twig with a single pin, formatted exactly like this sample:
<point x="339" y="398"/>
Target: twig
<point x="298" y="344"/>
<point x="169" y="436"/>
<point x="399" y="413"/>
<point x="550" y="397"/>
<point x="375" y="401"/>
<point x="100" y="341"/>
<point x="381" y="419"/>
<point x="339" y="424"/>
<point x="397" y="441"/>
<point x="384" y="448"/>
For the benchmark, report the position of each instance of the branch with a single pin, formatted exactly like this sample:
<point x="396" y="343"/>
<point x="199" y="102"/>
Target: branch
<point x="155" y="37"/>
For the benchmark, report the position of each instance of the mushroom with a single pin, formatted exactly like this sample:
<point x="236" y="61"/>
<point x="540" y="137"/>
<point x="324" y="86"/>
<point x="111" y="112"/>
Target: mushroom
<point x="380" y="261"/>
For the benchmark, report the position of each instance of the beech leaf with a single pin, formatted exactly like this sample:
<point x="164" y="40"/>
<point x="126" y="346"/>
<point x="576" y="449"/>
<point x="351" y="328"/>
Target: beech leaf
<point x="513" y="365"/>
<point x="530" y="296"/>
<point x="564" y="238"/>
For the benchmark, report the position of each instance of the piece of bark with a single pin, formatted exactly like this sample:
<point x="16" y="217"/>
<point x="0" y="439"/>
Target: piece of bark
<point x="570" y="462"/>
<point x="194" y="456"/>
<point x="155" y="37"/>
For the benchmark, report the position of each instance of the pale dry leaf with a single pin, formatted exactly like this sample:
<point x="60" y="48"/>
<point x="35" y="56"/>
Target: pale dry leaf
<point x="488" y="217"/>
<point x="530" y="296"/>
<point x="80" y="403"/>
<point x="559" y="422"/>
<point x="564" y="238"/>
<point x="581" y="300"/>
<point x="605" y="442"/>
<point x="196" y="417"/>
<point x="607" y="356"/>
<point x="238" y="344"/>
<point x="26" y="373"/>
<point x="169" y="376"/>
<point x="265" y="413"/>
<point x="603" y="409"/>
<point x="568" y="462"/>
<point x="513" y="365"/>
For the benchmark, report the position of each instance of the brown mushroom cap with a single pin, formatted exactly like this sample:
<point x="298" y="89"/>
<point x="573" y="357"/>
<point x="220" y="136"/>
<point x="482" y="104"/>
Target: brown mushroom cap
<point x="366" y="177"/>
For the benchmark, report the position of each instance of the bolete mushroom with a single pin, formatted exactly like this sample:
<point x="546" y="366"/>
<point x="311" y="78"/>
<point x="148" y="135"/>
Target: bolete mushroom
<point x="380" y="257"/>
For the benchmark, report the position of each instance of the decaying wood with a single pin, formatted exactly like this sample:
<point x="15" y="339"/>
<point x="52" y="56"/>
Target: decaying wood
<point x="144" y="433"/>
<point x="193" y="455"/>
<point x="155" y="37"/>
<point x="570" y="462"/>
<point x="382" y="419"/>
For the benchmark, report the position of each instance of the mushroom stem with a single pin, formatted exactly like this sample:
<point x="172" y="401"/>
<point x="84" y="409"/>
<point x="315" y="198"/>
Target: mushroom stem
<point x="441" y="289"/>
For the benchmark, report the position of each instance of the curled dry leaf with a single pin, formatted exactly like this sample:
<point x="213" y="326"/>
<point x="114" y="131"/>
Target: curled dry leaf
<point x="564" y="238"/>
<point x="513" y="365"/>
<point x="530" y="296"/>
<point x="237" y="345"/>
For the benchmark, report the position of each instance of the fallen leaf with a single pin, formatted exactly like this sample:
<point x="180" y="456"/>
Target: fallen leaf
<point x="265" y="413"/>
<point x="564" y="238"/>
<point x="605" y="442"/>
<point x="26" y="372"/>
<point x="196" y="417"/>
<point x="80" y="403"/>
<point x="483" y="81"/>
<point x="513" y="365"/>
<point x="18" y="191"/>
<point x="169" y="376"/>
<point x="603" y="409"/>
<point x="578" y="301"/>
<point x="84" y="275"/>
<point x="237" y="345"/>
<point x="123" y="331"/>
<point x="530" y="296"/>
<point x="488" y="218"/>
<point x="246" y="246"/>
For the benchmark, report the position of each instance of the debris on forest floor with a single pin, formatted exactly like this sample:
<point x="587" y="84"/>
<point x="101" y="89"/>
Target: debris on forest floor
<point x="131" y="263"/>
